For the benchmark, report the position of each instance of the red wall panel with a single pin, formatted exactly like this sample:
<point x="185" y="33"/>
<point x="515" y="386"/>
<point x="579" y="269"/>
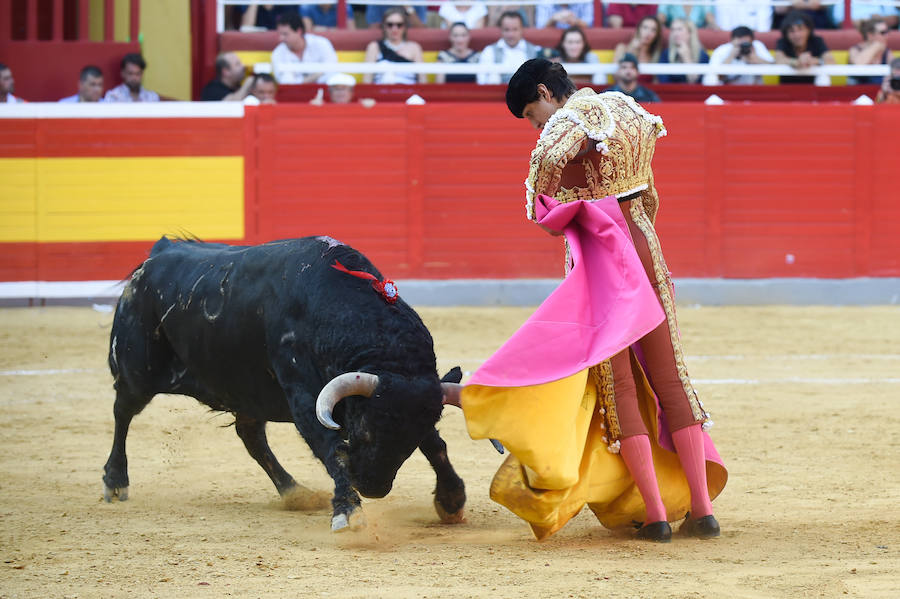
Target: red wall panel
<point x="436" y="191"/>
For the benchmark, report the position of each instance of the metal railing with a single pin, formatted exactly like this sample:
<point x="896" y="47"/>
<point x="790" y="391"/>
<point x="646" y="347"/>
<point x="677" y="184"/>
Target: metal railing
<point x="579" y="69"/>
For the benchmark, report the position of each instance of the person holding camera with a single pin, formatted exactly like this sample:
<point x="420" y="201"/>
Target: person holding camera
<point x="742" y="49"/>
<point x="890" y="87"/>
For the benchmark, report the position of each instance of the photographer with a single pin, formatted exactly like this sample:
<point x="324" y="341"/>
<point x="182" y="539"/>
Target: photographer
<point x="742" y="49"/>
<point x="890" y="88"/>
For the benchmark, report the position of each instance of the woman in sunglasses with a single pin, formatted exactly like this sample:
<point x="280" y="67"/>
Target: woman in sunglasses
<point x="872" y="50"/>
<point x="394" y="47"/>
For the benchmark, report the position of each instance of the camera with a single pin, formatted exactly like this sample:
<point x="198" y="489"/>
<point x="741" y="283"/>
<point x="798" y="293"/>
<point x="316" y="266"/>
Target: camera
<point x="745" y="48"/>
<point x="895" y="84"/>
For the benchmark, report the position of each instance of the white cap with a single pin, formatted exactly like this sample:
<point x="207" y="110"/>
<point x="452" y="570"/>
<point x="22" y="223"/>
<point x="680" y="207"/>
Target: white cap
<point x="341" y="79"/>
<point x="415" y="100"/>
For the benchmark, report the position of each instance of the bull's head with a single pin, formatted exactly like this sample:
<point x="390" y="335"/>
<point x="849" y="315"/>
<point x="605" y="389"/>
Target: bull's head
<point x="383" y="418"/>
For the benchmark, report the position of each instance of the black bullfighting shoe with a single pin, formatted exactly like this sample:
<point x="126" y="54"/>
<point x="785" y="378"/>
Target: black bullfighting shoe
<point x="703" y="528"/>
<point x="660" y="532"/>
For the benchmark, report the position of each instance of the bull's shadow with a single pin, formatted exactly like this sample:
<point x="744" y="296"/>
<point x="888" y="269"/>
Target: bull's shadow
<point x="302" y="330"/>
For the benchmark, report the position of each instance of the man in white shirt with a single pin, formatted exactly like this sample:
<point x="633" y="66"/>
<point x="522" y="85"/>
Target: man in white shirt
<point x="755" y="14"/>
<point x="297" y="47"/>
<point x="511" y="50"/>
<point x="7" y="86"/>
<point x="742" y="49"/>
<point x="131" y="89"/>
<point x="90" y="86"/>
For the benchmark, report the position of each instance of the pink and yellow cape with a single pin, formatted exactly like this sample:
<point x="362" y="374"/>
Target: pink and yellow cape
<point x="536" y="394"/>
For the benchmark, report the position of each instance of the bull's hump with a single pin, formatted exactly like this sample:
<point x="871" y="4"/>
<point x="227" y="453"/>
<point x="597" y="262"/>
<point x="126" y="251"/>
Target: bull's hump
<point x="331" y="242"/>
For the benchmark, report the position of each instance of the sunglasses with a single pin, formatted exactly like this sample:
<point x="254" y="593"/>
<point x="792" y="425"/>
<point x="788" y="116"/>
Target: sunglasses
<point x="881" y="31"/>
<point x="397" y="24"/>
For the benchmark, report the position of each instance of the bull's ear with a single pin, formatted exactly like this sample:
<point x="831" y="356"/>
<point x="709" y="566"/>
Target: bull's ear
<point x="454" y="376"/>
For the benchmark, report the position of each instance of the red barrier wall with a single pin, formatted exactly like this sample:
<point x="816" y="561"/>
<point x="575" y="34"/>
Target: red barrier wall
<point x="435" y="191"/>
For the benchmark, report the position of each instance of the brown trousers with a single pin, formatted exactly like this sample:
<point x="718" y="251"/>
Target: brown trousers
<point x="659" y="355"/>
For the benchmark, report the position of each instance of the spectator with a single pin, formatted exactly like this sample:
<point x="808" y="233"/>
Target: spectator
<point x="627" y="81"/>
<point x="573" y="47"/>
<point x="646" y="43"/>
<point x="7" y="86"/>
<point x="473" y="16"/>
<point x="860" y="12"/>
<point x="496" y="11"/>
<point x="872" y="50"/>
<point x="629" y="15"/>
<point x="415" y="17"/>
<point x="227" y="87"/>
<point x="821" y="17"/>
<point x="684" y="48"/>
<point x="131" y="89"/>
<point x="890" y="87"/>
<point x="322" y="17"/>
<point x="564" y="15"/>
<point x="90" y="86"/>
<point x="394" y="47"/>
<point x="459" y="52"/>
<point x="297" y="47"/>
<point x="340" y="91"/>
<point x="755" y="14"/>
<point x="800" y="47"/>
<point x="742" y="49"/>
<point x="264" y="16"/>
<point x="264" y="88"/>
<point x="701" y="16"/>
<point x="511" y="50"/>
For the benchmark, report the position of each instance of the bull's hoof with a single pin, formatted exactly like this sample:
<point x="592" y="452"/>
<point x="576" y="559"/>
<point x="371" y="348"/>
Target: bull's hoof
<point x="457" y="517"/>
<point x="356" y="521"/>
<point x="110" y="492"/>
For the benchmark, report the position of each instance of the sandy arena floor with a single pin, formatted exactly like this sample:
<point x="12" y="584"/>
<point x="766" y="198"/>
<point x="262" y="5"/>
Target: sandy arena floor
<point x="805" y="402"/>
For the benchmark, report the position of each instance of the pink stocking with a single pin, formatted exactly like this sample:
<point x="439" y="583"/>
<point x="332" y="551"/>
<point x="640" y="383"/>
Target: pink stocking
<point x="689" y="445"/>
<point x="638" y="458"/>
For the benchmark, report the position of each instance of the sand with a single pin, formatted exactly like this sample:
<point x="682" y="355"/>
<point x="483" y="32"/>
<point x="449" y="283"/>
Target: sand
<point x="805" y="401"/>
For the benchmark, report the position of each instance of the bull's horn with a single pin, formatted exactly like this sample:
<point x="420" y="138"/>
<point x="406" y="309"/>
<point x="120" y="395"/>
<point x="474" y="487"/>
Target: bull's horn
<point x="341" y="386"/>
<point x="451" y="394"/>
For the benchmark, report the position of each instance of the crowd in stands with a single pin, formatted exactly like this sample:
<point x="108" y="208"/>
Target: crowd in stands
<point x="663" y="34"/>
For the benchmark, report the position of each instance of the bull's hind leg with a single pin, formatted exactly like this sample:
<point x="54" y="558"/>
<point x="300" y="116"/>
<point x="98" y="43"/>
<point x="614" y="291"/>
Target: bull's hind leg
<point x="115" y="477"/>
<point x="450" y="492"/>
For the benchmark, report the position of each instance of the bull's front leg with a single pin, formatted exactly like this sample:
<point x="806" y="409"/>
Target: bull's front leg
<point x="331" y="450"/>
<point x="450" y="491"/>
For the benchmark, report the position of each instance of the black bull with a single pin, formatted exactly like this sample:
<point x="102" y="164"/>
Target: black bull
<point x="258" y="332"/>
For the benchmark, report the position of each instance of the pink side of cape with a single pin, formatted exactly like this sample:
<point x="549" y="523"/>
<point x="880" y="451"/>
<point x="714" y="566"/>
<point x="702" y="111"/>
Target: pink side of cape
<point x="604" y="304"/>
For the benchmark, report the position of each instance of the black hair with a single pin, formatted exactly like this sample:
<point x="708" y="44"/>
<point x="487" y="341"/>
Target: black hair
<point x="458" y="24"/>
<point x="522" y="89"/>
<point x="796" y="17"/>
<point x="135" y="59"/>
<point x="511" y="14"/>
<point x="584" y="51"/>
<point x="741" y="31"/>
<point x="265" y="77"/>
<point x="3" y="67"/>
<point x="629" y="57"/>
<point x="90" y="71"/>
<point x="291" y="19"/>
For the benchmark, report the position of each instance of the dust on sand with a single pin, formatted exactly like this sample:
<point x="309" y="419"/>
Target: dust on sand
<point x="804" y="399"/>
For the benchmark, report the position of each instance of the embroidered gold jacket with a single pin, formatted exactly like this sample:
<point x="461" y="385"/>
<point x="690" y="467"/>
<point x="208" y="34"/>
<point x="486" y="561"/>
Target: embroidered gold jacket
<point x="595" y="146"/>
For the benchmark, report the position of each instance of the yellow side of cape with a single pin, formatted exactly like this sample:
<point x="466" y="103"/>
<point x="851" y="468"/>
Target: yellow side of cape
<point x="559" y="461"/>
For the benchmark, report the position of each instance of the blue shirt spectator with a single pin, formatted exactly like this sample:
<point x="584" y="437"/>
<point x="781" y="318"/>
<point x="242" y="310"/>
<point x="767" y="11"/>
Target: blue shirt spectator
<point x="416" y="15"/>
<point x="317" y="17"/>
<point x="564" y="15"/>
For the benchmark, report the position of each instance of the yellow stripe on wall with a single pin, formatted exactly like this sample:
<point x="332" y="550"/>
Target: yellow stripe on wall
<point x="121" y="199"/>
<point x="18" y="199"/>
